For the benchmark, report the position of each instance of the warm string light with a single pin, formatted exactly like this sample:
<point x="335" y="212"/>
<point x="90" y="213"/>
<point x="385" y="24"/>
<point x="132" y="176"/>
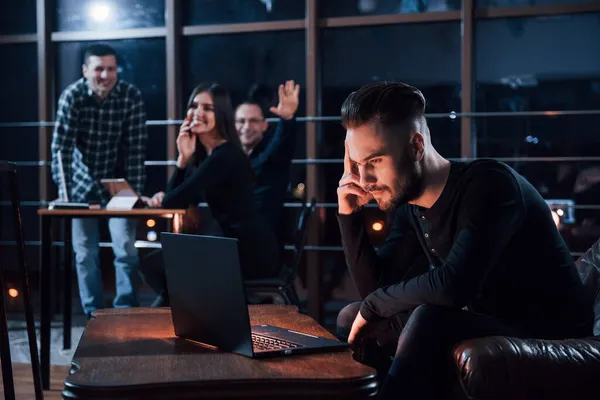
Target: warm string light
<point x="377" y="226"/>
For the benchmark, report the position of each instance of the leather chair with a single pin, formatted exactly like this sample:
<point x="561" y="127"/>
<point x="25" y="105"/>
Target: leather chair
<point x="501" y="367"/>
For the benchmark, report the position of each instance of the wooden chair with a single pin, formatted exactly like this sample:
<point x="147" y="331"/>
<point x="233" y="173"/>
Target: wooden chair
<point x="283" y="285"/>
<point x="10" y="171"/>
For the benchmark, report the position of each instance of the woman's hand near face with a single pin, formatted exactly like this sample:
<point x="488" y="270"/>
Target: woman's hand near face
<point x="186" y="143"/>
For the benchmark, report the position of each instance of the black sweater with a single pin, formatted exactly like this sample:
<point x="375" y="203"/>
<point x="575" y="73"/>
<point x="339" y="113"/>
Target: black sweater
<point x="271" y="160"/>
<point x="493" y="247"/>
<point x="225" y="180"/>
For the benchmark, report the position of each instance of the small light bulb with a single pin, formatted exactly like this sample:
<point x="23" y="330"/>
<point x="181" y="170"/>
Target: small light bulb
<point x="13" y="292"/>
<point x="150" y="223"/>
<point x="152" y="236"/>
<point x="377" y="226"/>
<point x="99" y="12"/>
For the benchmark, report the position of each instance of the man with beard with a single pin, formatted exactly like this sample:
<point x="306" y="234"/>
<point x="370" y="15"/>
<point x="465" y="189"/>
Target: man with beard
<point x="473" y="250"/>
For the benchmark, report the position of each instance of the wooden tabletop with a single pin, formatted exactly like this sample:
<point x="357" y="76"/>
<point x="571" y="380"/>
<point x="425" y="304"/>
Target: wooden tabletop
<point x="109" y="213"/>
<point x="134" y="353"/>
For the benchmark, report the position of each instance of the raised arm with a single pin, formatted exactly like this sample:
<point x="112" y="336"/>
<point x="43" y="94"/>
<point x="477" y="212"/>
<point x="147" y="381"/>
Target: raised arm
<point x="281" y="146"/>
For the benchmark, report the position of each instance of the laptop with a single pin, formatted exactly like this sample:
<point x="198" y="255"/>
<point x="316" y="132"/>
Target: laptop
<point x="124" y="197"/>
<point x="64" y="203"/>
<point x="208" y="302"/>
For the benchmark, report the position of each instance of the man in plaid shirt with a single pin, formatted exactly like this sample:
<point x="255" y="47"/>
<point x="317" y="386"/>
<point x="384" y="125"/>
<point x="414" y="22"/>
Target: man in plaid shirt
<point x="100" y="132"/>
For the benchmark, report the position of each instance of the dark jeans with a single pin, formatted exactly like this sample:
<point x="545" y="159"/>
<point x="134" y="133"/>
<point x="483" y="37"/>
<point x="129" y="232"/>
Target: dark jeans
<point x="422" y="366"/>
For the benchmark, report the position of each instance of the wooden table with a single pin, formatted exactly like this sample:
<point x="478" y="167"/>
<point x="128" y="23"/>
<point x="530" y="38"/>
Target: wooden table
<point x="134" y="354"/>
<point x="47" y="216"/>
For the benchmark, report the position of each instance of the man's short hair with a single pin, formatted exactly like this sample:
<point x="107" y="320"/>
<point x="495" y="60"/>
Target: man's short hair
<point x="388" y="104"/>
<point x="98" y="50"/>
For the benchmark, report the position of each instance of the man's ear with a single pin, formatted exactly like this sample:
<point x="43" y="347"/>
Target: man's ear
<point x="83" y="69"/>
<point x="418" y="144"/>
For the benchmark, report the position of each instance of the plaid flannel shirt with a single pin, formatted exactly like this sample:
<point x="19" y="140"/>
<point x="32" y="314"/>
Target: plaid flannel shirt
<point x="99" y="139"/>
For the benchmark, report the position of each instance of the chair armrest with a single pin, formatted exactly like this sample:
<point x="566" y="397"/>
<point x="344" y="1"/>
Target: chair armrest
<point x="500" y="367"/>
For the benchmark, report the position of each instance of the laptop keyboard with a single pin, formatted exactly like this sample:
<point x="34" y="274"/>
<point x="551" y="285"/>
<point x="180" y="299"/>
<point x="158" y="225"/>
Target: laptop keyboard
<point x="267" y="343"/>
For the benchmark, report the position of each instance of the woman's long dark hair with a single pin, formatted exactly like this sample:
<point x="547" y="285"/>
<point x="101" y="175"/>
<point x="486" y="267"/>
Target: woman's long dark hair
<point x="224" y="118"/>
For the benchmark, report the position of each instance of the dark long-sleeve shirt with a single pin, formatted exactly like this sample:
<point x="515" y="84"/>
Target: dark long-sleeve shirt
<point x="492" y="246"/>
<point x="225" y="180"/>
<point x="272" y="160"/>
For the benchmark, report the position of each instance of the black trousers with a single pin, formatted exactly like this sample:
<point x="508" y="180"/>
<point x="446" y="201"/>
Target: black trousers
<point x="413" y="352"/>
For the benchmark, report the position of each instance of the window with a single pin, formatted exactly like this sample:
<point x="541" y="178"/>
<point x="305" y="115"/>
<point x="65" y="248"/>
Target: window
<point x="19" y="99"/>
<point x="538" y="136"/>
<point x="208" y="12"/>
<point x="345" y="8"/>
<point x="18" y="17"/>
<point x="523" y="65"/>
<point x="133" y="57"/>
<point x="78" y="15"/>
<point x="19" y="94"/>
<point x="238" y="61"/>
<point x="517" y="3"/>
<point x="149" y="77"/>
<point x="526" y="71"/>
<point x="423" y="55"/>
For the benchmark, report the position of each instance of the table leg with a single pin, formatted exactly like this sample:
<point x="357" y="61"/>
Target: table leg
<point x="177" y="223"/>
<point x="45" y="298"/>
<point x="56" y="284"/>
<point x="7" y="372"/>
<point x="67" y="286"/>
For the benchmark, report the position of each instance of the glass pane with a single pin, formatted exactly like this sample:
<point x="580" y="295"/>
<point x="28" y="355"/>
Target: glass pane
<point x="19" y="99"/>
<point x="517" y="3"/>
<point x="149" y="77"/>
<point x="345" y="8"/>
<point x="540" y="136"/>
<point x="157" y="176"/>
<point x="525" y="70"/>
<point x="18" y="17"/>
<point x="208" y="12"/>
<point x="133" y="56"/>
<point x="424" y="55"/>
<point x="19" y="94"/>
<point x="572" y="189"/>
<point x="78" y="15"/>
<point x="268" y="58"/>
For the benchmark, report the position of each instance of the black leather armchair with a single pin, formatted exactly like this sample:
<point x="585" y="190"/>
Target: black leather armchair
<point x="501" y="367"/>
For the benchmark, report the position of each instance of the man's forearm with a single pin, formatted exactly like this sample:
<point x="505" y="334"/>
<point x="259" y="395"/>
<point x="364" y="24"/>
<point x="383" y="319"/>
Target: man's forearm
<point x="360" y="254"/>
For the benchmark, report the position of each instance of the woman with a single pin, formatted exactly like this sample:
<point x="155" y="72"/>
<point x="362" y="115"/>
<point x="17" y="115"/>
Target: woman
<point x="212" y="166"/>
